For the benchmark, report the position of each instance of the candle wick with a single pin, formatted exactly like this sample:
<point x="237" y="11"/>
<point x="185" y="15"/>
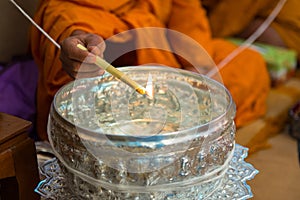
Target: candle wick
<point x="149" y="87"/>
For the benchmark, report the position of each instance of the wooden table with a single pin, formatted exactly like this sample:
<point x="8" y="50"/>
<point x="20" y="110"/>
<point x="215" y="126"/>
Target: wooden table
<point x="18" y="162"/>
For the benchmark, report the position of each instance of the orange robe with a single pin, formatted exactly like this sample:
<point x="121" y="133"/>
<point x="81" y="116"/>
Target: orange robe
<point x="245" y="77"/>
<point x="231" y="17"/>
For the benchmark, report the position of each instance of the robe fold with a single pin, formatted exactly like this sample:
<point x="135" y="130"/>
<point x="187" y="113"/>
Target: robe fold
<point x="245" y="77"/>
<point x="230" y="17"/>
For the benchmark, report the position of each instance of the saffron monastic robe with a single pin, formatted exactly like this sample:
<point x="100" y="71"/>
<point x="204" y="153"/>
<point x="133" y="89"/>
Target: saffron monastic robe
<point x="246" y="76"/>
<point x="230" y="17"/>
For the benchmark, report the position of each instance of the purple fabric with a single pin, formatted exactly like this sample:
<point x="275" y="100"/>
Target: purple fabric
<point x="18" y="83"/>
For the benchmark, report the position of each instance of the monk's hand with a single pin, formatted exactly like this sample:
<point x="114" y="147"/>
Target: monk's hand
<point x="79" y="63"/>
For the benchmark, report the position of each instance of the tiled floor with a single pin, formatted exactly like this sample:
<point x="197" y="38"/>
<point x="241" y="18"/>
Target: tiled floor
<point x="279" y="176"/>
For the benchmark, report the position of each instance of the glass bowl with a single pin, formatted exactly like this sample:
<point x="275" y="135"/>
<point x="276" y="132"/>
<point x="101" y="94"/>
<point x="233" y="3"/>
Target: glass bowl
<point x="113" y="143"/>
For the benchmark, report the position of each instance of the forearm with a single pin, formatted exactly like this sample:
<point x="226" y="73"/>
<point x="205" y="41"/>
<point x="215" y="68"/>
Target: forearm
<point x="269" y="36"/>
<point x="230" y="17"/>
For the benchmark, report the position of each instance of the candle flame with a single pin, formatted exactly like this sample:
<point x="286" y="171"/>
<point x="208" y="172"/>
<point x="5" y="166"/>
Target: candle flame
<point x="149" y="87"/>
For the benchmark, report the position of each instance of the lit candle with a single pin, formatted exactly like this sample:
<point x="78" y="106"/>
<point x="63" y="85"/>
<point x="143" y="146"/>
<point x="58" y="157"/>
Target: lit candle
<point x="118" y="74"/>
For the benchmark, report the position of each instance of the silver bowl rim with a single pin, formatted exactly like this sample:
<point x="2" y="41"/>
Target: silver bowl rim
<point x="205" y="128"/>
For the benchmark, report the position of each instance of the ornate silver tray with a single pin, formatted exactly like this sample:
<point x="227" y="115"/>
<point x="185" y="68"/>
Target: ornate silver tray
<point x="234" y="186"/>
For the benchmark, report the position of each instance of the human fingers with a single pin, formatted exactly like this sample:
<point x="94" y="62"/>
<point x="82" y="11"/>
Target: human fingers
<point x="77" y="69"/>
<point x="94" y="43"/>
<point x="69" y="50"/>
